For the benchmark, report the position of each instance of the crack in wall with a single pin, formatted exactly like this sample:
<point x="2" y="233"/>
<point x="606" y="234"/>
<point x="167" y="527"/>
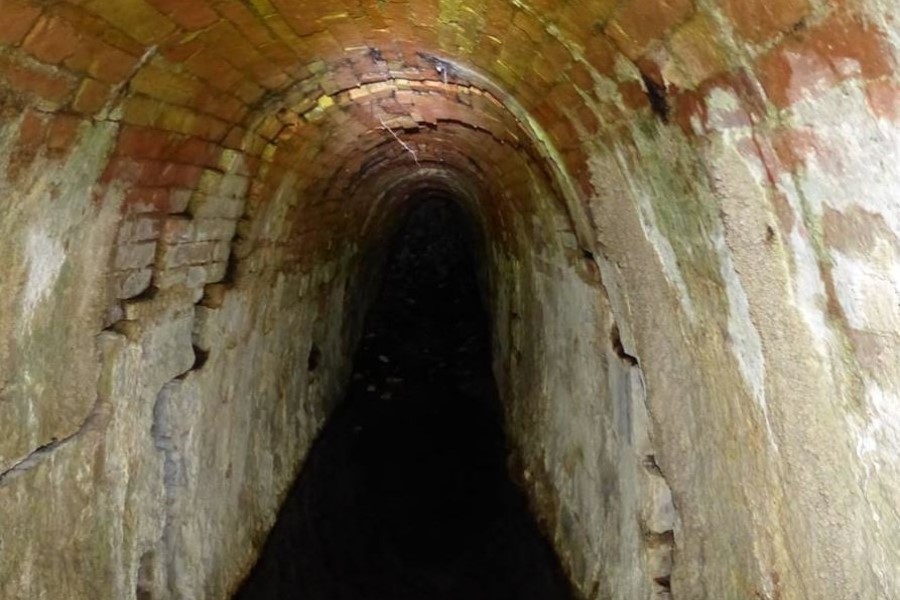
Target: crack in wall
<point x="657" y="510"/>
<point x="94" y="420"/>
<point x="164" y="439"/>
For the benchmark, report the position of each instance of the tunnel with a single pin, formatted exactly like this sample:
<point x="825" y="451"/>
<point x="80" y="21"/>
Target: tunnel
<point x="682" y="231"/>
<point x="406" y="494"/>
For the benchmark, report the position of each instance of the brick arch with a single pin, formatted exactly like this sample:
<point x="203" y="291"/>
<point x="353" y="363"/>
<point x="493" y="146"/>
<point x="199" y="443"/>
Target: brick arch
<point x="689" y="212"/>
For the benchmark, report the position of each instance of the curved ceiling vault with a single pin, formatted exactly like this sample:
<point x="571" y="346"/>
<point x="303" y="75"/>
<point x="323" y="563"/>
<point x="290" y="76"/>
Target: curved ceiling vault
<point x="324" y="87"/>
<point x="689" y="217"/>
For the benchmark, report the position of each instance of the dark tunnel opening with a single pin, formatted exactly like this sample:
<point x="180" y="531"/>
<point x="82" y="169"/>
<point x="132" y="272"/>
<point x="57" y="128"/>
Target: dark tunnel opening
<point x="406" y="493"/>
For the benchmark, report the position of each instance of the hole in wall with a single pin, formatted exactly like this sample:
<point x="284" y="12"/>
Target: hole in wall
<point x="314" y="359"/>
<point x="619" y="348"/>
<point x="200" y="358"/>
<point x="664" y="582"/>
<point x="148" y="294"/>
<point x="406" y="494"/>
<point x="231" y="266"/>
<point x="146" y="576"/>
<point x="658" y="97"/>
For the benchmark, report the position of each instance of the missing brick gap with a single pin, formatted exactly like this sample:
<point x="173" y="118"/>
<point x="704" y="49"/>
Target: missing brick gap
<point x="200" y="358"/>
<point x="314" y="359"/>
<point x="619" y="348"/>
<point x="658" y="97"/>
<point x="231" y="267"/>
<point x="665" y="582"/>
<point x="148" y="294"/>
<point x="652" y="466"/>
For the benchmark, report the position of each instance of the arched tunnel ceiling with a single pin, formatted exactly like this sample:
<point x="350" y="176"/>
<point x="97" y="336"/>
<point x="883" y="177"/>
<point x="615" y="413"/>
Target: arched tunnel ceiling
<point x="332" y="89"/>
<point x="719" y="153"/>
<point x="345" y="76"/>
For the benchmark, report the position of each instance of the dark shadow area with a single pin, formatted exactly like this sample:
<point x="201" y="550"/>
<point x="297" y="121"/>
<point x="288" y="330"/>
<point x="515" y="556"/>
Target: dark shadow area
<point x="406" y="495"/>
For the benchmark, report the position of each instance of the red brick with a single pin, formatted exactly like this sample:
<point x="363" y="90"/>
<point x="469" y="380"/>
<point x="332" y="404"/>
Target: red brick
<point x="601" y="53"/>
<point x="91" y="97"/>
<point x="194" y="151"/>
<point x="745" y="87"/>
<point x="103" y="62"/>
<point x="52" y="87"/>
<point x="884" y="99"/>
<point x="581" y="77"/>
<point x="180" y="176"/>
<point x="761" y="20"/>
<point x="633" y="95"/>
<point x="245" y="21"/>
<point x="545" y="70"/>
<point x="210" y="66"/>
<point x="234" y="139"/>
<point x="183" y="50"/>
<point x="588" y="119"/>
<point x="55" y="40"/>
<point x="31" y="136"/>
<point x="580" y="19"/>
<point x="124" y="169"/>
<point x="783" y="211"/>
<point x="529" y="25"/>
<point x="143" y="142"/>
<point x="51" y="41"/>
<point x="687" y="107"/>
<point x="792" y="145"/>
<point x="791" y="70"/>
<point x="151" y="173"/>
<point x="192" y="16"/>
<point x="760" y="149"/>
<point x="62" y="133"/>
<point x="838" y="49"/>
<point x="564" y="94"/>
<point x="18" y="16"/>
<point x="92" y="26"/>
<point x="141" y="21"/>
<point x="32" y="131"/>
<point x="692" y="104"/>
<point x="855" y="230"/>
<point x="296" y="16"/>
<point x="636" y="23"/>
<point x="844" y="37"/>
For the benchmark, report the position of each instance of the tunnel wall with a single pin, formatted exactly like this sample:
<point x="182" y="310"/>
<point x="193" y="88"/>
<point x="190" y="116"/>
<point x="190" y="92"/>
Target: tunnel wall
<point x="563" y="377"/>
<point x="157" y="397"/>
<point x="693" y="276"/>
<point x="758" y="326"/>
<point x="731" y="248"/>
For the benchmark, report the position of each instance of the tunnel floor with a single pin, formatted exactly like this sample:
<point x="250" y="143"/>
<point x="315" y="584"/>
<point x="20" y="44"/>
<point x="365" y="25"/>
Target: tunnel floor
<point x="406" y="494"/>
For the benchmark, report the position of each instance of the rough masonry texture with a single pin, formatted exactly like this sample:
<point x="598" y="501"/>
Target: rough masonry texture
<point x="690" y="227"/>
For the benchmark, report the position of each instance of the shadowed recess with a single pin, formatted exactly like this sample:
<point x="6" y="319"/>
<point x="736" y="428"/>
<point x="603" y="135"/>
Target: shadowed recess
<point x="405" y="494"/>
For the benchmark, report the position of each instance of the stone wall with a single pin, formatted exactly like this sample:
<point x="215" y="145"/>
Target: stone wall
<point x="689" y="225"/>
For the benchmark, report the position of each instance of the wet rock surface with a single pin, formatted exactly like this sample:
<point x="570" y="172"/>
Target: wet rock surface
<point x="406" y="494"/>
